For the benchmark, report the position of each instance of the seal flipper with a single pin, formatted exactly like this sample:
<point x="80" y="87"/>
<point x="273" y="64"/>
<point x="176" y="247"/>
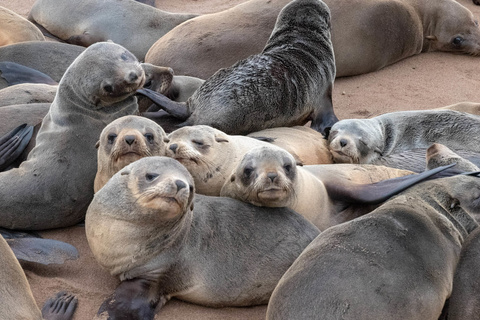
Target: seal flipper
<point x="177" y="109"/>
<point x="378" y="192"/>
<point x="44" y="251"/>
<point x="134" y="299"/>
<point x="15" y="73"/>
<point x="13" y="143"/>
<point x="14" y="234"/>
<point x="60" y="307"/>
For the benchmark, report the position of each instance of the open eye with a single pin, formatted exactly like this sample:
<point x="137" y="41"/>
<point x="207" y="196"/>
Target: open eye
<point x="108" y="88"/>
<point x="457" y="41"/>
<point x="287" y="168"/>
<point x="149" y="137"/>
<point x="111" y="138"/>
<point x="151" y="176"/>
<point x="476" y="23"/>
<point x="124" y="56"/>
<point x="198" y="143"/>
<point x="190" y="187"/>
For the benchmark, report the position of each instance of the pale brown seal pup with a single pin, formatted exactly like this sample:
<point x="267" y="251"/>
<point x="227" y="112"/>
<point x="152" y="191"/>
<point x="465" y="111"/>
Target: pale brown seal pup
<point x="366" y="35"/>
<point x="17" y="298"/>
<point x="288" y="84"/>
<point x="209" y="154"/>
<point x="147" y="227"/>
<point x="15" y="28"/>
<point x="124" y="141"/>
<point x="54" y="186"/>
<point x="397" y="262"/>
<point x="365" y="140"/>
<point x="439" y="155"/>
<point x="469" y="107"/>
<point x="51" y="58"/>
<point x="306" y="145"/>
<point x="324" y="194"/>
<point x="131" y="24"/>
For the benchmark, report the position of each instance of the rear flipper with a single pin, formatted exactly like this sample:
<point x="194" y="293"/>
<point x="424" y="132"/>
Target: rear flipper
<point x="13" y="144"/>
<point x="60" y="307"/>
<point x="44" y="251"/>
<point x="15" y="73"/>
<point x="177" y="109"/>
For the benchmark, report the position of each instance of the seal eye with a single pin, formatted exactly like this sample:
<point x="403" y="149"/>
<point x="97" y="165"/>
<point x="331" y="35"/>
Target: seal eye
<point x="111" y="138"/>
<point x="247" y="171"/>
<point x="287" y="168"/>
<point x="124" y="56"/>
<point x="190" y="187"/>
<point x="457" y="41"/>
<point x="148" y="84"/>
<point x="476" y="23"/>
<point x="108" y="88"/>
<point x="149" y="137"/>
<point x="151" y="176"/>
<point x="198" y="143"/>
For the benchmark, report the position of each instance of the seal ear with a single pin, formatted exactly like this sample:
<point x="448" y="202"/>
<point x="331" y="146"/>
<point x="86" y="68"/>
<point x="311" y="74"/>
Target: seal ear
<point x="377" y="150"/>
<point x="431" y="38"/>
<point x="125" y="172"/>
<point x="97" y="144"/>
<point x="191" y="207"/>
<point x="166" y="140"/>
<point x="221" y="138"/>
<point x="232" y="178"/>
<point x="299" y="163"/>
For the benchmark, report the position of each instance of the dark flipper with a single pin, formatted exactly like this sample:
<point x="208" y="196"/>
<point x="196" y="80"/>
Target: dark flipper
<point x="13" y="143"/>
<point x="60" y="307"/>
<point x="376" y="193"/>
<point x="44" y="251"/>
<point x="13" y="234"/>
<point x="15" y="73"/>
<point x="134" y="299"/>
<point x="177" y="109"/>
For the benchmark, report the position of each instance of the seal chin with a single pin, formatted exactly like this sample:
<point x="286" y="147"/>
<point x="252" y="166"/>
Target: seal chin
<point x="342" y="157"/>
<point x="168" y="207"/>
<point x="272" y="196"/>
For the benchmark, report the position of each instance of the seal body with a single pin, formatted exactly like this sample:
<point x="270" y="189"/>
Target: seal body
<point x="140" y="226"/>
<point x="51" y="58"/>
<point x="15" y="28"/>
<point x="269" y="177"/>
<point x="27" y="93"/>
<point x="366" y="35"/>
<point x="92" y="21"/>
<point x="288" y="84"/>
<point x="124" y="141"/>
<point x="440" y="155"/>
<point x="397" y="262"/>
<point x="365" y="140"/>
<point x="54" y="186"/>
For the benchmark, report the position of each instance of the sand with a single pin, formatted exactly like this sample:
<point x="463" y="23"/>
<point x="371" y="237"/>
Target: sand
<point x="425" y="81"/>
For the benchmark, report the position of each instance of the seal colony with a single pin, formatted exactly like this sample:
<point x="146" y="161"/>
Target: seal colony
<point x="54" y="186"/>
<point x="147" y="227"/>
<point x="288" y="84"/>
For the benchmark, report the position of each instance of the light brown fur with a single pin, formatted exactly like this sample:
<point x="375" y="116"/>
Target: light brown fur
<point x="15" y="28"/>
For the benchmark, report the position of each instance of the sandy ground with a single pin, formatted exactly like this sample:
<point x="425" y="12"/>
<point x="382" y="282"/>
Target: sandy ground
<point x="421" y="82"/>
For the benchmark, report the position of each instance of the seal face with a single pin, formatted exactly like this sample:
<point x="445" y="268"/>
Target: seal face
<point x="124" y="141"/>
<point x="53" y="187"/>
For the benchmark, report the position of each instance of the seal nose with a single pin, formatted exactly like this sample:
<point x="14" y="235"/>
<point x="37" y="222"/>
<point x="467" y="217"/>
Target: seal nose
<point x="173" y="147"/>
<point x="180" y="185"/>
<point x="129" y="140"/>
<point x="272" y="175"/>
<point x="132" y="77"/>
<point x="343" y="142"/>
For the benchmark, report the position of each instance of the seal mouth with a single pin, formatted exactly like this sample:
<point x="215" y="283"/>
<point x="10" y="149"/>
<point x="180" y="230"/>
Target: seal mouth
<point x="340" y="155"/>
<point x="182" y="160"/>
<point x="271" y="194"/>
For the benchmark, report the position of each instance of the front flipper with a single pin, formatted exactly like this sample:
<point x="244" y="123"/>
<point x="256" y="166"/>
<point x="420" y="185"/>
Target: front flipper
<point x="15" y="73"/>
<point x="134" y="299"/>
<point x="375" y="193"/>
<point x="44" y="251"/>
<point x="13" y="143"/>
<point x="60" y="307"/>
<point x="177" y="109"/>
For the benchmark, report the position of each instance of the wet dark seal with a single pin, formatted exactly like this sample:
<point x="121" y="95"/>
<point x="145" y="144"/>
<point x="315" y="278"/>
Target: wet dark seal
<point x="288" y="84"/>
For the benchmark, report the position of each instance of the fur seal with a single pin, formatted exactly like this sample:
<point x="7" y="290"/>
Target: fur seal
<point x="133" y="25"/>
<point x="366" y="35"/>
<point x="364" y="140"/>
<point x="147" y="227"/>
<point x="27" y="93"/>
<point x="51" y="58"/>
<point x="324" y="194"/>
<point x="15" y="28"/>
<point x="306" y="145"/>
<point x="469" y="107"/>
<point x="288" y="84"/>
<point x="397" y="262"/>
<point x="439" y="155"/>
<point x="125" y="140"/>
<point x="209" y="154"/>
<point x="54" y="186"/>
<point x="17" y="298"/>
